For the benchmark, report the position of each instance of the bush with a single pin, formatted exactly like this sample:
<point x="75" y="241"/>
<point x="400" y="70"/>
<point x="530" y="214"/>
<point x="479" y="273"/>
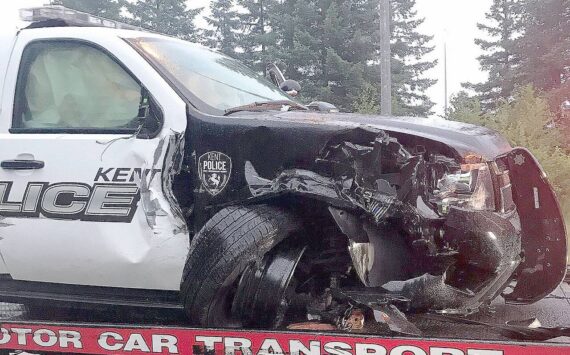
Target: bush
<point x="367" y="101"/>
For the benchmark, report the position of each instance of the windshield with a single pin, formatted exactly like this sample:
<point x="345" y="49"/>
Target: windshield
<point x="210" y="80"/>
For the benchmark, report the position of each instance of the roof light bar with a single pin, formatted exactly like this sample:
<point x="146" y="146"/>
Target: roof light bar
<point x="70" y="17"/>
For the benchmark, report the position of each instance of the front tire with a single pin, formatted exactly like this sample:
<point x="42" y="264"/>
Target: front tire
<point x="229" y="242"/>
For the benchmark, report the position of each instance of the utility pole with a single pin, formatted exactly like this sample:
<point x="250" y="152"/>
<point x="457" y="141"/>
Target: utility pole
<point x="385" y="59"/>
<point x="446" y="105"/>
<point x="262" y="31"/>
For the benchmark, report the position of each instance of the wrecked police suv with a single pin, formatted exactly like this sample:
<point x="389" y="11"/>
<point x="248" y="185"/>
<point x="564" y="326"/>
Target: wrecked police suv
<point x="146" y="171"/>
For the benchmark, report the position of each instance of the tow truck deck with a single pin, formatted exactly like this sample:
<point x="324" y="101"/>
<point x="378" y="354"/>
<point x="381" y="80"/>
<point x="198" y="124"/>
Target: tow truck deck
<point x="122" y="330"/>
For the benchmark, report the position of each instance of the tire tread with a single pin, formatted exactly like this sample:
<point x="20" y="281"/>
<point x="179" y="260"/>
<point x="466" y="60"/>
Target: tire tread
<point x="228" y="242"/>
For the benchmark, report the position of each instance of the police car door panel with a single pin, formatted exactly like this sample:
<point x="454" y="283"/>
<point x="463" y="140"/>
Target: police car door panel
<point x="98" y="212"/>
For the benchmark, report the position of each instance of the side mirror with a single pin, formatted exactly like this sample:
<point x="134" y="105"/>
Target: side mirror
<point x="275" y="74"/>
<point x="290" y="85"/>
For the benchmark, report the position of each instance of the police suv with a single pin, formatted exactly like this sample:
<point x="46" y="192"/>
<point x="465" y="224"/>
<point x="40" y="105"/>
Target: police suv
<point x="142" y="170"/>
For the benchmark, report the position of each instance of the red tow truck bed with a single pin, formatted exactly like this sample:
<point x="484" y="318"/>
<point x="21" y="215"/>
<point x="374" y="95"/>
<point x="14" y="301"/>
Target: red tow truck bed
<point x="137" y="331"/>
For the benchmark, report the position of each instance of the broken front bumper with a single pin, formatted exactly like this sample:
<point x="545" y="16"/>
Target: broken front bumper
<point x="523" y="247"/>
<point x="543" y="231"/>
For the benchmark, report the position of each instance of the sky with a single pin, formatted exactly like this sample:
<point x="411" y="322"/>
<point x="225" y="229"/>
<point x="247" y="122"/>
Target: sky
<point x="450" y="21"/>
<point x="454" y="22"/>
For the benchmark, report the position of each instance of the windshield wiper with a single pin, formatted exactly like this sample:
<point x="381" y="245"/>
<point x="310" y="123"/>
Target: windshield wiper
<point x="265" y="106"/>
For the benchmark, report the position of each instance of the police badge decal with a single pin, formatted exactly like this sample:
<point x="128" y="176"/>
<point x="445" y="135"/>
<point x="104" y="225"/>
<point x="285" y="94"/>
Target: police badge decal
<point x="214" y="169"/>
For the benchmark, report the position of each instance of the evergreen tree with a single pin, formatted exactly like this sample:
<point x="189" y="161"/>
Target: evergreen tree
<point x="342" y="66"/>
<point x="465" y="108"/>
<point x="500" y="60"/>
<point x="409" y="48"/>
<point x="326" y="45"/>
<point x="171" y="17"/>
<point x="224" y="23"/>
<point x="544" y="49"/>
<point x="110" y="9"/>
<point x="331" y="47"/>
<point x="296" y="44"/>
<point x="256" y="33"/>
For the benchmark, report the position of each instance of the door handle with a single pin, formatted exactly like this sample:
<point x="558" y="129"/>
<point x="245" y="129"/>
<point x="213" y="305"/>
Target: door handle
<point x="18" y="164"/>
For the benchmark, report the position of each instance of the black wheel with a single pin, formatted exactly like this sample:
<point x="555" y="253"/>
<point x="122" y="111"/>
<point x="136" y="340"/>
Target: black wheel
<point x="229" y="242"/>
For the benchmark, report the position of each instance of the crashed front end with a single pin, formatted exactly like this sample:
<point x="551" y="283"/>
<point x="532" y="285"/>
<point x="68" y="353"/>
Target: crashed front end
<point x="428" y="230"/>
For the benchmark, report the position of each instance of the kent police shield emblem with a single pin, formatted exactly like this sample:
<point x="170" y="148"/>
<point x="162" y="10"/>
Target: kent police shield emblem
<point x="214" y="170"/>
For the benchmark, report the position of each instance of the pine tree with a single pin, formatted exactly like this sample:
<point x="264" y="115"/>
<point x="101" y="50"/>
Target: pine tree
<point x="544" y="49"/>
<point x="321" y="44"/>
<point x="342" y="68"/>
<point x="255" y="32"/>
<point x="110" y="9"/>
<point x="500" y="60"/>
<point x="224" y="23"/>
<point x="331" y="47"/>
<point x="171" y="17"/>
<point x="409" y="48"/>
<point x="409" y="66"/>
<point x="296" y="43"/>
<point x="465" y="108"/>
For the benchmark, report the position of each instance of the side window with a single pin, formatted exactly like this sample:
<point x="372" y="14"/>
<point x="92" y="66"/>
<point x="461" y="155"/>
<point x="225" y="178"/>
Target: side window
<point x="67" y="85"/>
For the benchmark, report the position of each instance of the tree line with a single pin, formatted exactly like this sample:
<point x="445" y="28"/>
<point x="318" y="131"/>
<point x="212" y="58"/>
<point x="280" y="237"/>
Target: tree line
<point x="330" y="46"/>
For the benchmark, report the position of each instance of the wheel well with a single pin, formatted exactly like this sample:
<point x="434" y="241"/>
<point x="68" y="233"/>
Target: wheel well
<point x="327" y="253"/>
<point x="314" y="214"/>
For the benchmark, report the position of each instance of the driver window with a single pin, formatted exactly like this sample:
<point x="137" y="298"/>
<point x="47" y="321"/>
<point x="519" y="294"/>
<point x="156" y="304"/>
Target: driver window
<point x="69" y="85"/>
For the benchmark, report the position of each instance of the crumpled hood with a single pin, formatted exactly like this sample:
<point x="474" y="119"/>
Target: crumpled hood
<point x="463" y="137"/>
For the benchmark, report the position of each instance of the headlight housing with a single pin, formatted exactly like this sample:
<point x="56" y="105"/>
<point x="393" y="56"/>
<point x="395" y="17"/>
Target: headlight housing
<point x="470" y="188"/>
